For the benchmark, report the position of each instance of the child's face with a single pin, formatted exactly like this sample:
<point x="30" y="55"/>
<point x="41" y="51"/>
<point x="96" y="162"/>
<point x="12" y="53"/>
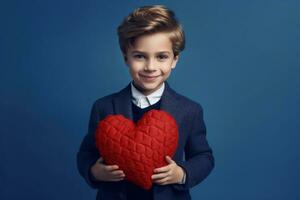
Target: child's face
<point x="150" y="61"/>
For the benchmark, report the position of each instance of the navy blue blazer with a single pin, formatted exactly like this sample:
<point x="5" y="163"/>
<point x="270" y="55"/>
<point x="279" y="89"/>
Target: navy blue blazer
<point x="193" y="153"/>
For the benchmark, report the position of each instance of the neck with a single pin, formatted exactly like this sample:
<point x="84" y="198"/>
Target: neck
<point x="143" y="91"/>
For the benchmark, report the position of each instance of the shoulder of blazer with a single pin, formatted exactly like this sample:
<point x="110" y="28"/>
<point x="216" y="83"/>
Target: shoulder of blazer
<point x="106" y="100"/>
<point x="189" y="103"/>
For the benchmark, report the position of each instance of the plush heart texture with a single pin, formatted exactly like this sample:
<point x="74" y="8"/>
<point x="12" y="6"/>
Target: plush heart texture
<point x="137" y="148"/>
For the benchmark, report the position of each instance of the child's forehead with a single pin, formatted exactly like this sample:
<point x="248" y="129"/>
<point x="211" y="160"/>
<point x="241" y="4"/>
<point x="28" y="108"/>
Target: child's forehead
<point x="152" y="42"/>
<point x="133" y="51"/>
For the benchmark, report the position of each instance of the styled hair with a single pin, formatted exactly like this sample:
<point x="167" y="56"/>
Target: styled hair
<point x="147" y="20"/>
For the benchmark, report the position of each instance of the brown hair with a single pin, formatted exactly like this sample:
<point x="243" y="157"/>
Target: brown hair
<point x="147" y="20"/>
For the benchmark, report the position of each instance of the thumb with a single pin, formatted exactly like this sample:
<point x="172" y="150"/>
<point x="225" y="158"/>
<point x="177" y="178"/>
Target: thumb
<point x="169" y="160"/>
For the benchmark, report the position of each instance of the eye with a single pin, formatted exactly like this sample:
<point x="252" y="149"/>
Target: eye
<point x="163" y="57"/>
<point x="139" y="56"/>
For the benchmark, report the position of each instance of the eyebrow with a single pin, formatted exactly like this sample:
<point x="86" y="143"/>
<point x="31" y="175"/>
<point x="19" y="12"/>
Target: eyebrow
<point x="136" y="51"/>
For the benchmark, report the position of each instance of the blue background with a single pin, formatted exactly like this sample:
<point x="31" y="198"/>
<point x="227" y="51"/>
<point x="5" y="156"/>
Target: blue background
<point x="241" y="63"/>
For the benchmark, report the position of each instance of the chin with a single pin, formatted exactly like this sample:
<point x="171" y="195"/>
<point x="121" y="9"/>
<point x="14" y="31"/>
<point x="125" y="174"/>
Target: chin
<point x="148" y="87"/>
<point x="151" y="85"/>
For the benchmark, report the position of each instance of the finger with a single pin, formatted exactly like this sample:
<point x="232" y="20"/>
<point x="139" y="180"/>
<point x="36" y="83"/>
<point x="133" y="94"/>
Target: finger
<point x="162" y="169"/>
<point x="159" y="176"/>
<point x="169" y="160"/>
<point x="118" y="176"/>
<point x="163" y="181"/>
<point x="116" y="179"/>
<point x="118" y="173"/>
<point x="111" y="167"/>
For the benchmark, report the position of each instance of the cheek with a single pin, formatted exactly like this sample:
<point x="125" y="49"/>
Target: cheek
<point x="136" y="66"/>
<point x="167" y="67"/>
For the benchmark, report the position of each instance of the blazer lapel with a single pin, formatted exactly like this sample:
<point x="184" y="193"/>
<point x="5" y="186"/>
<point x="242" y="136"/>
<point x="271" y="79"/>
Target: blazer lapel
<point x="169" y="101"/>
<point x="122" y="103"/>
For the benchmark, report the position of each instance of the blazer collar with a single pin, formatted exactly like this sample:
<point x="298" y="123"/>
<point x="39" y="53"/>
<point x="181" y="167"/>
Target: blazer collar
<point x="122" y="101"/>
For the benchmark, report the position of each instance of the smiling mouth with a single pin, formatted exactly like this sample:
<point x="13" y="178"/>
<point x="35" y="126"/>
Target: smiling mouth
<point x="148" y="78"/>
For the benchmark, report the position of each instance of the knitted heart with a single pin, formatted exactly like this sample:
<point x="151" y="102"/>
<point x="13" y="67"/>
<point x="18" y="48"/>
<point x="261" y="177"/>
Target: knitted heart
<point x="137" y="148"/>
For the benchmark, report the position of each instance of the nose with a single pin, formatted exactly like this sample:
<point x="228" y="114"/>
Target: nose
<point x="151" y="65"/>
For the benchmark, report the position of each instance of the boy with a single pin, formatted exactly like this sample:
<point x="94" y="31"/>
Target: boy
<point x="150" y="39"/>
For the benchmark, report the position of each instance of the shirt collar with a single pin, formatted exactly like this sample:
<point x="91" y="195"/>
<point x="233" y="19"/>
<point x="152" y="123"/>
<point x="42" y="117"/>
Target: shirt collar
<point x="152" y="98"/>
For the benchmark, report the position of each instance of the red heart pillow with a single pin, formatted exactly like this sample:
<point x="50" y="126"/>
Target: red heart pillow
<point x="137" y="148"/>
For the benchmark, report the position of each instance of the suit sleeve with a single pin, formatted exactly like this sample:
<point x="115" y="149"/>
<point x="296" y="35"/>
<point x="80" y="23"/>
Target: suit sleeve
<point x="199" y="160"/>
<point x="88" y="153"/>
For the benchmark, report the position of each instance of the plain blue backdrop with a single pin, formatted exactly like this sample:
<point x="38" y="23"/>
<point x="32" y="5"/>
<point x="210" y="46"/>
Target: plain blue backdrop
<point x="241" y="63"/>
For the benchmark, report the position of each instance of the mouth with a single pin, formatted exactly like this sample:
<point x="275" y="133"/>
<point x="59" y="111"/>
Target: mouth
<point x="148" y="78"/>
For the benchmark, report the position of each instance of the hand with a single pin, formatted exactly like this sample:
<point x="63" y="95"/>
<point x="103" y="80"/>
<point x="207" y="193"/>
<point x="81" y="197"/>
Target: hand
<point x="102" y="172"/>
<point x="171" y="173"/>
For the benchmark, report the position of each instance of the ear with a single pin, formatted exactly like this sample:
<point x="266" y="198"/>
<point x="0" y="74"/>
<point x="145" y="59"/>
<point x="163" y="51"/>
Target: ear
<point x="175" y="60"/>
